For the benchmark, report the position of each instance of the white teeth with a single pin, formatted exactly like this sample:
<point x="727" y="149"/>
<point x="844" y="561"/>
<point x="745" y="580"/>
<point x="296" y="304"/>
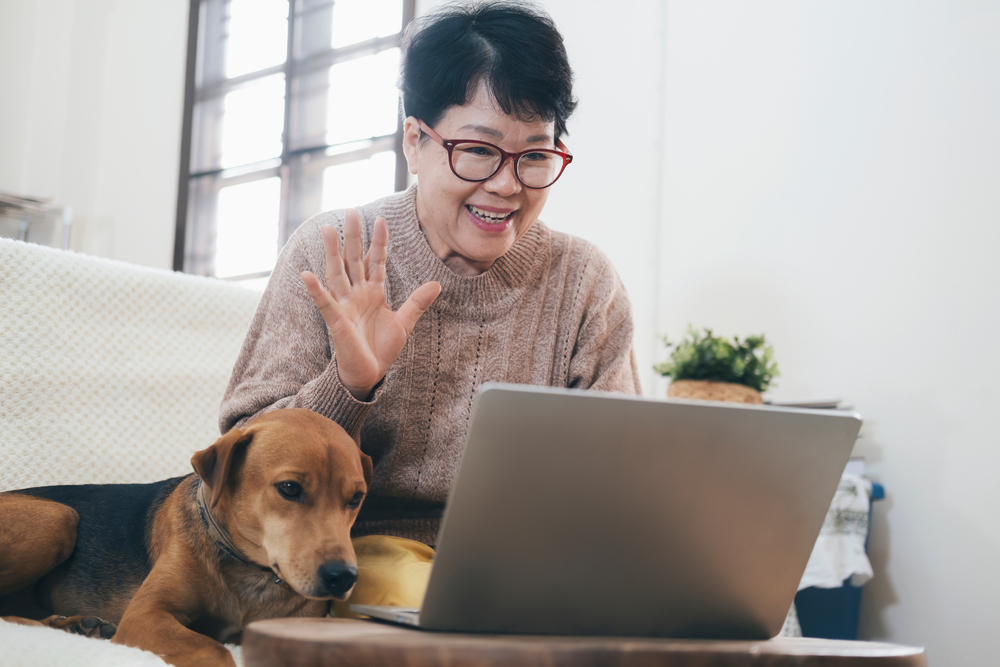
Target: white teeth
<point x="488" y="217"/>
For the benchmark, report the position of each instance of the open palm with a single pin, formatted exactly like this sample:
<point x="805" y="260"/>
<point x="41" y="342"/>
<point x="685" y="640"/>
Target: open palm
<point x="366" y="333"/>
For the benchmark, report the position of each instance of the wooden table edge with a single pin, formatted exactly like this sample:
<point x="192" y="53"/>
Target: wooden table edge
<point x="310" y="641"/>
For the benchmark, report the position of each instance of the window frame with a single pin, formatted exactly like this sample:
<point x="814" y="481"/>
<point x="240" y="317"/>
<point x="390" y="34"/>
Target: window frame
<point x="289" y="166"/>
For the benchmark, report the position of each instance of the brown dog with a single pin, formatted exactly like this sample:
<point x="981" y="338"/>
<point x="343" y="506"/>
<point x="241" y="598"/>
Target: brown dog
<point x="262" y="531"/>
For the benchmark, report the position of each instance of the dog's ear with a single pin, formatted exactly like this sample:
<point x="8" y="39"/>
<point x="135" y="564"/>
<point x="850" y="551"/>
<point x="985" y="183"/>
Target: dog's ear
<point x="213" y="464"/>
<point x="366" y="467"/>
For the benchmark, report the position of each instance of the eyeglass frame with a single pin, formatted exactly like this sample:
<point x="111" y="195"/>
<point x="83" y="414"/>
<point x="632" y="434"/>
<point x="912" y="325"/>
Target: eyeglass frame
<point x="450" y="144"/>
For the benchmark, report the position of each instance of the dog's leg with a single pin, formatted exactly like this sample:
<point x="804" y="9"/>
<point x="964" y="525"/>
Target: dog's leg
<point x="157" y="617"/>
<point x="88" y="626"/>
<point x="160" y="632"/>
<point x="35" y="536"/>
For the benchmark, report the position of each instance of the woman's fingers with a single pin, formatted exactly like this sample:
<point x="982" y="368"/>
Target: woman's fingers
<point x="354" y="293"/>
<point x="353" y="252"/>
<point x="327" y="305"/>
<point x="375" y="260"/>
<point x="420" y="300"/>
<point x="336" y="277"/>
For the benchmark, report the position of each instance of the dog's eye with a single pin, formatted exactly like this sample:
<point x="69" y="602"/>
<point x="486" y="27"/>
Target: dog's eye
<point x="289" y="490"/>
<point x="356" y="500"/>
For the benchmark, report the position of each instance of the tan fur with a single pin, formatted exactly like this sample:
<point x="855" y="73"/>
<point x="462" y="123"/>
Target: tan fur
<point x="25" y="552"/>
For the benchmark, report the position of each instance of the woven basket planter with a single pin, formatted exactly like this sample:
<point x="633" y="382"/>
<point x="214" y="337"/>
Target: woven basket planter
<point x="713" y="391"/>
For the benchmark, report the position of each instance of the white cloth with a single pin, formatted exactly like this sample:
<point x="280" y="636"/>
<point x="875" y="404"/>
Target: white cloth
<point x="109" y="372"/>
<point x="791" y="627"/>
<point x="839" y="552"/>
<point x="25" y="646"/>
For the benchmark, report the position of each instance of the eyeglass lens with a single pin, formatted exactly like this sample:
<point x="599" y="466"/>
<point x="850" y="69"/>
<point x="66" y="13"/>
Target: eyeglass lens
<point x="477" y="162"/>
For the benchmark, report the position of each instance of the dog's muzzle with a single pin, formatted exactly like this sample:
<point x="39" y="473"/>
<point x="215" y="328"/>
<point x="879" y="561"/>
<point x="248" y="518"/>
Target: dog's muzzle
<point x="337" y="578"/>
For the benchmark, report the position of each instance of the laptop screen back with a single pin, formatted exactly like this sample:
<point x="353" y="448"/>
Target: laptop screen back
<point x="583" y="513"/>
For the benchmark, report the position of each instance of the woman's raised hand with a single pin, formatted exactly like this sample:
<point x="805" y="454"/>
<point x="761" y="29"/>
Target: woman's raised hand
<point x="367" y="335"/>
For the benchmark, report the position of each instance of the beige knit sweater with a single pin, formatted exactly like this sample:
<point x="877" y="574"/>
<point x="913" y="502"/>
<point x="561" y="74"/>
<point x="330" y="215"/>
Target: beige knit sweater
<point x="552" y="311"/>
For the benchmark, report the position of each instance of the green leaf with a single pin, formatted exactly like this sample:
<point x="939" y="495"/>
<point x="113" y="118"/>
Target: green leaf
<point x="702" y="356"/>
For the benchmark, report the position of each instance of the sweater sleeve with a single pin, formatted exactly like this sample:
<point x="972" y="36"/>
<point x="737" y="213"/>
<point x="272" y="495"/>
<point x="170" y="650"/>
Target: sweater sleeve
<point x="287" y="359"/>
<point x="604" y="357"/>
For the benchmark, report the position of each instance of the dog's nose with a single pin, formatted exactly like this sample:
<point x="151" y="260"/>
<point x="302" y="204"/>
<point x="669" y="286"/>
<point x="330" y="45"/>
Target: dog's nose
<point x="337" y="577"/>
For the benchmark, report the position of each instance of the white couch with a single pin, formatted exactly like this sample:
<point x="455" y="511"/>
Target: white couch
<point x="109" y="373"/>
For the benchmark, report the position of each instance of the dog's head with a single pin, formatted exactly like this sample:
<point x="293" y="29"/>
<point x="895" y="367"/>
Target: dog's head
<point x="288" y="487"/>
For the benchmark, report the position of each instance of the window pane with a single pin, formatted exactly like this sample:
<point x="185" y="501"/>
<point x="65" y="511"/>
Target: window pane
<point x="313" y="22"/>
<point x="253" y="118"/>
<point x="358" y="183"/>
<point x="247" y="228"/>
<point x="309" y="110"/>
<point x="357" y="20"/>
<point x="362" y="101"/>
<point x="257" y="35"/>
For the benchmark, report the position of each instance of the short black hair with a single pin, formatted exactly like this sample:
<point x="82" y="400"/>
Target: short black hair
<point x="512" y="47"/>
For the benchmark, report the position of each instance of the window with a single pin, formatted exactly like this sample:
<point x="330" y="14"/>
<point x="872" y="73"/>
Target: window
<point x="291" y="109"/>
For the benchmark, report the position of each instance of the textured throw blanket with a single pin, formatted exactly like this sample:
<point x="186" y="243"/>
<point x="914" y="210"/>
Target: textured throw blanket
<point x="109" y="372"/>
<point x="43" y="647"/>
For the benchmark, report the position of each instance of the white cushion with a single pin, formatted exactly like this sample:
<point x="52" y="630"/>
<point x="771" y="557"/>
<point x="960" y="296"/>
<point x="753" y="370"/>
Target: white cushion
<point x="25" y="646"/>
<point x="109" y="372"/>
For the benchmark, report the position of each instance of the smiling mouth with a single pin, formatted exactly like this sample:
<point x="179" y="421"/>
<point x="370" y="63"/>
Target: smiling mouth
<point x="486" y="216"/>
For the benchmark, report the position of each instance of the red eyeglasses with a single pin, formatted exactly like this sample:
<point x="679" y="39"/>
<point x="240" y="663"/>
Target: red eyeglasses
<point x="477" y="161"/>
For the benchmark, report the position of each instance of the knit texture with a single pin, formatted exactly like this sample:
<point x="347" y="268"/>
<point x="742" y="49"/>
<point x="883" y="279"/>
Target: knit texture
<point x="109" y="372"/>
<point x="551" y="311"/>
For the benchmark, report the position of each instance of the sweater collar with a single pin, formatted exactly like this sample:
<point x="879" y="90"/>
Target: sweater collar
<point x="492" y="292"/>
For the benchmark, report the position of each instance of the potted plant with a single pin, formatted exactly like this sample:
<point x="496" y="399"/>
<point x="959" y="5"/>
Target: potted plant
<point x="711" y="368"/>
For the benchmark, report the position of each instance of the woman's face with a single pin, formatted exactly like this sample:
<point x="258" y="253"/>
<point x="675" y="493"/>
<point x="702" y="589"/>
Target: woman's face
<point x="452" y="211"/>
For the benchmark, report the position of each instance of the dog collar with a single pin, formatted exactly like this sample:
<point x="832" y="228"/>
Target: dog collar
<point x="220" y="535"/>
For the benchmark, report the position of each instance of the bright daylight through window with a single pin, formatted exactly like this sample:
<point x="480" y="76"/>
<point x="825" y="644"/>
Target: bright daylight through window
<point x="285" y="117"/>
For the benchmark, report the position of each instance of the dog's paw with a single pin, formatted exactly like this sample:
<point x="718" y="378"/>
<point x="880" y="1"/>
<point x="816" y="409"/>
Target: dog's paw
<point x="88" y="626"/>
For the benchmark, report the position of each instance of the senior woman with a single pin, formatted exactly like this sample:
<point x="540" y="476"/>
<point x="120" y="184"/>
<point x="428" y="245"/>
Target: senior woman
<point x="427" y="294"/>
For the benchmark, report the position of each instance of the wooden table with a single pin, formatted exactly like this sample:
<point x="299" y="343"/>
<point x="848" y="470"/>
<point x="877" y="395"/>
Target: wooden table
<point x="302" y="642"/>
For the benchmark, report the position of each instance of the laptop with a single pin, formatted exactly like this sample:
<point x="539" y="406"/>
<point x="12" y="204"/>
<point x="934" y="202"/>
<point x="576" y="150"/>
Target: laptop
<point x="583" y="513"/>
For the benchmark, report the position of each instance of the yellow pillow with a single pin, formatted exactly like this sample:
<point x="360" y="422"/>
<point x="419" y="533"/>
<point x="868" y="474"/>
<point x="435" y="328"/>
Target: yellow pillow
<point x="392" y="571"/>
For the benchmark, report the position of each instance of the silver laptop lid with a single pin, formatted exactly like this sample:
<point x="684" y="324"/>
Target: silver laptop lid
<point x="576" y="512"/>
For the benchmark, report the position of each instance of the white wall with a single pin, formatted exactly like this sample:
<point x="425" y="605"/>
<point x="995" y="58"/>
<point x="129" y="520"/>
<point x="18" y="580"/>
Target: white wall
<point x="833" y="180"/>
<point x="90" y="115"/>
<point x="610" y="195"/>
